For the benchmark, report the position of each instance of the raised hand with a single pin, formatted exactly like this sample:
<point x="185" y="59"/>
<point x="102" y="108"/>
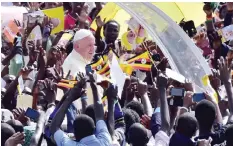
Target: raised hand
<point x="42" y="60"/>
<point x="15" y="139"/>
<point x="82" y="18"/>
<point x="99" y="22"/>
<point x="80" y="88"/>
<point x="162" y="81"/>
<point x="146" y="121"/>
<point x="91" y="77"/>
<point x="33" y="52"/>
<point x="214" y="79"/>
<point x="224" y="70"/>
<point x="188" y="99"/>
<point x="188" y="85"/>
<point x="142" y="88"/>
<point x="48" y="87"/>
<point x="148" y="45"/>
<point x="19" y="114"/>
<point x="25" y="72"/>
<point x="58" y="77"/>
<point x="111" y="92"/>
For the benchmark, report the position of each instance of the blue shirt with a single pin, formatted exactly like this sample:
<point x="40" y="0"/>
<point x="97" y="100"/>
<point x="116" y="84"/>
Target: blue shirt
<point x="156" y="121"/>
<point x="101" y="138"/>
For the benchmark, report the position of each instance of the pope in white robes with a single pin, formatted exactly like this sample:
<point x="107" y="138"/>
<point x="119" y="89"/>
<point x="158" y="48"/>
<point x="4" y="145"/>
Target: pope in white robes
<point x="82" y="54"/>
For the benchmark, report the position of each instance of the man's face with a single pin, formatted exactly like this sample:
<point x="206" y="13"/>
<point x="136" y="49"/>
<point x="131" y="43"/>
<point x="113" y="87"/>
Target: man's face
<point x="111" y="32"/>
<point x="86" y="47"/>
<point x="208" y="12"/>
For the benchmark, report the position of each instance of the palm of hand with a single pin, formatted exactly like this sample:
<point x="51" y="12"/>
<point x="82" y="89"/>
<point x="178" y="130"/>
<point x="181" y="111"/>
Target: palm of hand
<point x="224" y="69"/>
<point x="142" y="88"/>
<point x="111" y="92"/>
<point x="49" y="90"/>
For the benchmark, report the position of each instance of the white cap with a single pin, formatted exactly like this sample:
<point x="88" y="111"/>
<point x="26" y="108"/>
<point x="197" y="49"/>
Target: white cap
<point x="82" y="33"/>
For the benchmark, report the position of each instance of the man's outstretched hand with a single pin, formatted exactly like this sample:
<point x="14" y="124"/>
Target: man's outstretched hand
<point x="111" y="92"/>
<point x="162" y="81"/>
<point x="15" y="139"/>
<point x="80" y="88"/>
<point x="224" y="70"/>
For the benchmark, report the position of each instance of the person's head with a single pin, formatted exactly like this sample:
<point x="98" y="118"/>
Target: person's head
<point x="111" y="31"/>
<point x="186" y="125"/>
<point x="222" y="12"/>
<point x="136" y="106"/>
<point x="90" y="111"/>
<point x="77" y="7"/>
<point x="228" y="135"/>
<point x="55" y="22"/>
<point x="84" y="43"/>
<point x="49" y="5"/>
<point x="67" y="6"/>
<point x="217" y="43"/>
<point x="207" y="9"/>
<point x="17" y="125"/>
<point x="137" y="135"/>
<point x="205" y="113"/>
<point x="6" y="132"/>
<point x="130" y="117"/>
<point x="83" y="126"/>
<point x="215" y="38"/>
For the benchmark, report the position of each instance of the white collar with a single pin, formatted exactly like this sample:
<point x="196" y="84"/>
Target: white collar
<point x="79" y="57"/>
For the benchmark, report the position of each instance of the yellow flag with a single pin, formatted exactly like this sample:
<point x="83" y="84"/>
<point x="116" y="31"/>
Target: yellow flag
<point x="141" y="62"/>
<point x="56" y="16"/>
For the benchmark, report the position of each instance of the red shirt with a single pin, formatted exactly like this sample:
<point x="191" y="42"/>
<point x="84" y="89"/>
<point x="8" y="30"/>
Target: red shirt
<point x="69" y="22"/>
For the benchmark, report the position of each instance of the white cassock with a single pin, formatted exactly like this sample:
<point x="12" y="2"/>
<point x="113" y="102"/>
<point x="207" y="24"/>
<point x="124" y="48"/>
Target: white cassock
<point x="76" y="63"/>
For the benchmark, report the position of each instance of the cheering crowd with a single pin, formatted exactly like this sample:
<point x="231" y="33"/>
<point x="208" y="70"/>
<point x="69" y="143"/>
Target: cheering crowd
<point x="63" y="93"/>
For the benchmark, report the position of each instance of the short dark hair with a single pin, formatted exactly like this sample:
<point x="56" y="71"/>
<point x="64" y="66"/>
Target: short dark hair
<point x="16" y="124"/>
<point x="228" y="135"/>
<point x="83" y="126"/>
<point x="137" y="135"/>
<point x="130" y="117"/>
<point x="111" y="21"/>
<point x="136" y="106"/>
<point x="207" y="7"/>
<point x="186" y="125"/>
<point x="90" y="111"/>
<point x="205" y="113"/>
<point x="6" y="132"/>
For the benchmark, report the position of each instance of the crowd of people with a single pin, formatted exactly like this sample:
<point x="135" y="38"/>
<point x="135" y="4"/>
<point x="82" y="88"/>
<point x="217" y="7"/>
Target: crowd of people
<point x="56" y="96"/>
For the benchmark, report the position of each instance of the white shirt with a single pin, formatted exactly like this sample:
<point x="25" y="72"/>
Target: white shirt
<point x="76" y="63"/>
